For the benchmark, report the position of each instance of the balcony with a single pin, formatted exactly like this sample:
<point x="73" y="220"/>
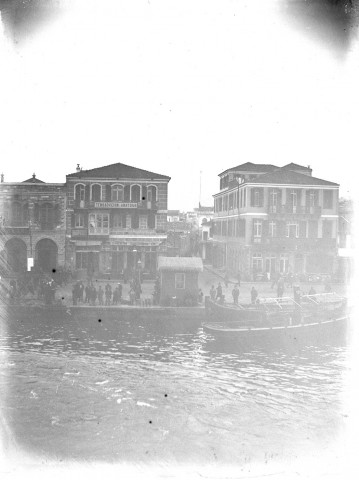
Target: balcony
<point x="295" y="243"/>
<point x="79" y="232"/>
<point x="297" y="210"/>
<point x="133" y="231"/>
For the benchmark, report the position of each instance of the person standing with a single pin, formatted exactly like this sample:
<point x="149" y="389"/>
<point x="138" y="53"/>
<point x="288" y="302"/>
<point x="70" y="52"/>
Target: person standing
<point x="119" y="288"/>
<point x="235" y="294"/>
<point x="219" y="292"/>
<point x="254" y="295"/>
<point x="81" y="292"/>
<point x="200" y="296"/>
<point x="280" y="287"/>
<point x="100" y="295"/>
<point x="212" y="293"/>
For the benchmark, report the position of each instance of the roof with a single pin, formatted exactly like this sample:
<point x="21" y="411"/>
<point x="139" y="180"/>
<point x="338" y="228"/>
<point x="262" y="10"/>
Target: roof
<point x="296" y="166"/>
<point x="180" y="264"/>
<point x="173" y="212"/>
<point x="252" y="167"/>
<point x="119" y="170"/>
<point x="285" y="176"/>
<point x="33" y="179"/>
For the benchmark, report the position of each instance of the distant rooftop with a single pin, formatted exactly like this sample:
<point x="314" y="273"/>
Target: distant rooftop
<point x="173" y="213"/>
<point x="188" y="264"/>
<point x="251" y="167"/>
<point x="118" y="170"/>
<point x="33" y="179"/>
<point x="285" y="176"/>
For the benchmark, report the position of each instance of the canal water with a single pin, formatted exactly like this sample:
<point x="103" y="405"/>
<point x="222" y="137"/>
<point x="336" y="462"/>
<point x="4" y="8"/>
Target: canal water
<point x="128" y="392"/>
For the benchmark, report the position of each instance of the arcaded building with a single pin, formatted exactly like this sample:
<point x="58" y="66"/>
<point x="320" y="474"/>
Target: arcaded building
<point x="116" y="220"/>
<point x="32" y="222"/>
<point x="271" y="220"/>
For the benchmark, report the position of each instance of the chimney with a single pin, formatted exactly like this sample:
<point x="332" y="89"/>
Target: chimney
<point x="2" y="178"/>
<point x="78" y="169"/>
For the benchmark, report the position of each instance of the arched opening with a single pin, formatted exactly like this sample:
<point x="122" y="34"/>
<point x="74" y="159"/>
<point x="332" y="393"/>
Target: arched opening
<point x="16" y="255"/>
<point x="46" y="255"/>
<point x="135" y="193"/>
<point x="79" y="194"/>
<point x="152" y="194"/>
<point x="117" y="193"/>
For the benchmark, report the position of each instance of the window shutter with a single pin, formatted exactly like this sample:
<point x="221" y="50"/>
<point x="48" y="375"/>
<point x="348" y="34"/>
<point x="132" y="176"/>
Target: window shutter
<point x="72" y="220"/>
<point x="252" y="197"/>
<point x="302" y="229"/>
<point x="261" y="197"/>
<point x="108" y="193"/>
<point x="86" y="220"/>
<point x="87" y="193"/>
<point x="135" y="220"/>
<point x="265" y="226"/>
<point x="279" y="197"/>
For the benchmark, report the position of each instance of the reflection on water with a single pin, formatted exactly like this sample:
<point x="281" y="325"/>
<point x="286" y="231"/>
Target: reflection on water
<point x="121" y="391"/>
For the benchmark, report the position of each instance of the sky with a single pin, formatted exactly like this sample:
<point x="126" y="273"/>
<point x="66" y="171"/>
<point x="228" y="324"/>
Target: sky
<point x="178" y="88"/>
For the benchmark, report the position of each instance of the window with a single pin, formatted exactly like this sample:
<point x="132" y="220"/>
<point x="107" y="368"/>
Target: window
<point x="312" y="199"/>
<point x="327" y="229"/>
<point x="293" y="198"/>
<point x="135" y="193"/>
<point x="312" y="229"/>
<point x="80" y="192"/>
<point x="128" y="221"/>
<point x="96" y="192"/>
<point x="99" y="224"/>
<point x="328" y="199"/>
<point x="257" y="228"/>
<point x="257" y="262"/>
<point x="79" y="220"/>
<point x="241" y="227"/>
<point x="292" y="230"/>
<point x="230" y="205"/>
<point x="16" y="214"/>
<point x="273" y="201"/>
<point x="119" y="220"/>
<point x="117" y="193"/>
<point x="81" y="260"/>
<point x="225" y="203"/>
<point x="220" y="204"/>
<point x="230" y="228"/>
<point x="179" y="281"/>
<point x="143" y="222"/>
<point x="47" y="216"/>
<point x="283" y="264"/>
<point x="152" y="193"/>
<point x="272" y="229"/>
<point x="256" y="198"/>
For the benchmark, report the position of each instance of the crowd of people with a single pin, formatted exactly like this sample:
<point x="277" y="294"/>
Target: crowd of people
<point x="216" y="293"/>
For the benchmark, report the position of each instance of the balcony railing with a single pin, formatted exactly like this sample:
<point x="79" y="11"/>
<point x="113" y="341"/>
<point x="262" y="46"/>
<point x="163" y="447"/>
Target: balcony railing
<point x="132" y="231"/>
<point x="294" y="210"/>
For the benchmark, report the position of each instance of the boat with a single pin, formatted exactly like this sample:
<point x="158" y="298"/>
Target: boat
<point x="278" y="317"/>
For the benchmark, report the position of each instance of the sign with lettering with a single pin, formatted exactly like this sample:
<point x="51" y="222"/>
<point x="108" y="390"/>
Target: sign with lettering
<point x="115" y="205"/>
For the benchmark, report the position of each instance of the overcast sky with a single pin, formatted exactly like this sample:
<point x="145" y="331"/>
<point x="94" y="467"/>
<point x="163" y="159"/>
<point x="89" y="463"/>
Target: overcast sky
<point x="176" y="87"/>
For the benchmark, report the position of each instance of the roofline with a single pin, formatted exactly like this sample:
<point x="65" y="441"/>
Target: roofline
<point x="111" y="179"/>
<point x="246" y="171"/>
<point x="32" y="183"/>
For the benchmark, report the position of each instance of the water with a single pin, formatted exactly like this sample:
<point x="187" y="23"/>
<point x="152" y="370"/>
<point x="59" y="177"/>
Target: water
<point x="121" y="391"/>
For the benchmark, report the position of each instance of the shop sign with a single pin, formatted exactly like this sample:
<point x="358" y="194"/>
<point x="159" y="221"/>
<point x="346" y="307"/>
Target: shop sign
<point x="115" y="205"/>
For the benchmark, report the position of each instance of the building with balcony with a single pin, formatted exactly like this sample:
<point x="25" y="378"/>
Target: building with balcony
<point x="269" y="219"/>
<point x="32" y="215"/>
<point x="116" y="219"/>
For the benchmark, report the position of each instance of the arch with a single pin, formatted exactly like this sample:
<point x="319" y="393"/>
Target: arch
<point x="46" y="251"/>
<point x="117" y="192"/>
<point x="16" y="255"/>
<point x="136" y="193"/>
<point x="79" y="191"/>
<point x="152" y="193"/>
<point x="96" y="192"/>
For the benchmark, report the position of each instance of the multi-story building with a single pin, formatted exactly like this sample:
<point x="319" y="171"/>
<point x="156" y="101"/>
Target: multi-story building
<point x="32" y="225"/>
<point x="116" y="219"/>
<point x="269" y="219"/>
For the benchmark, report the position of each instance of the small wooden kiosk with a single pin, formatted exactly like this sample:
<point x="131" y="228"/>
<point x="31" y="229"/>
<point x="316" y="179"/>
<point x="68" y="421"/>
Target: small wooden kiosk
<point x="179" y="280"/>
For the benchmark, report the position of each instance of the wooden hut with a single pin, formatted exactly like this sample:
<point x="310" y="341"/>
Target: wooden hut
<point x="179" y="280"/>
